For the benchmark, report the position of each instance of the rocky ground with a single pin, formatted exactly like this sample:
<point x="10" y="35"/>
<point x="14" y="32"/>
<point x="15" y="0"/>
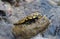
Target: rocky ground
<point x="50" y="9"/>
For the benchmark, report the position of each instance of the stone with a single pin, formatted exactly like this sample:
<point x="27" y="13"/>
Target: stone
<point x="31" y="27"/>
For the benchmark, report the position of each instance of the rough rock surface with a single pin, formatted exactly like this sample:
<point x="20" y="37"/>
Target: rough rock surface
<point x="43" y="6"/>
<point x="31" y="27"/>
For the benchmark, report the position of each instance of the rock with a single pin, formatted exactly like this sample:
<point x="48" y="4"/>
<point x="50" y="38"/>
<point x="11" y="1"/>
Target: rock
<point x="9" y="1"/>
<point x="25" y="29"/>
<point x="54" y="2"/>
